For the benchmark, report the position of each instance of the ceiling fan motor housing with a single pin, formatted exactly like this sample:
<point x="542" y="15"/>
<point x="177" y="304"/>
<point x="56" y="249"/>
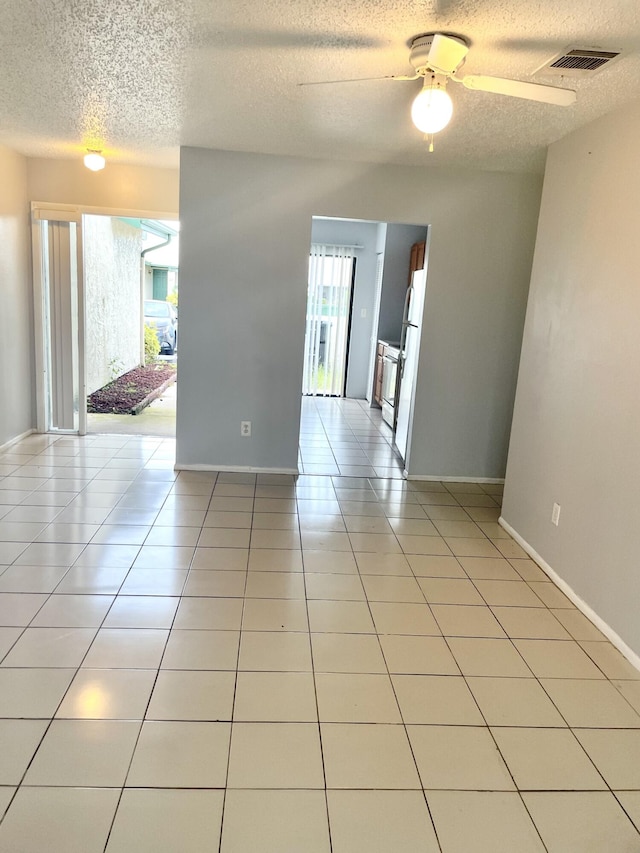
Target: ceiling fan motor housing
<point x="437" y="52"/>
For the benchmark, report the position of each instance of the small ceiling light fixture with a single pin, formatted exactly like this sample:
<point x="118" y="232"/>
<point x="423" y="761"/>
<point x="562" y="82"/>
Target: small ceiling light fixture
<point x="432" y="109"/>
<point x="94" y="160"/>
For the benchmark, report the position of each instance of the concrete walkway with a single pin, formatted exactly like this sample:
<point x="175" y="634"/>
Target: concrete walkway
<point x="157" y="419"/>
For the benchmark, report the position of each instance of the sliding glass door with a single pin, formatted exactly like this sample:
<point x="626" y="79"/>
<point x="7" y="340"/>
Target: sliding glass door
<point x="329" y="297"/>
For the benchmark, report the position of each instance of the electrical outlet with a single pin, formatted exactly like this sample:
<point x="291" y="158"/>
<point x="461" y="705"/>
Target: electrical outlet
<point x="245" y="428"/>
<point x="555" y="514"/>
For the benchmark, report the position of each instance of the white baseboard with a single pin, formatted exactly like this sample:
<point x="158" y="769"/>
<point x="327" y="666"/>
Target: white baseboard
<point x="573" y="596"/>
<point x="439" y="479"/>
<point x="16" y="439"/>
<point x="238" y="469"/>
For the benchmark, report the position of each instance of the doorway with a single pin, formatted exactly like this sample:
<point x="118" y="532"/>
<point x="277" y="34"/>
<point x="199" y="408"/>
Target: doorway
<point x="328" y="321"/>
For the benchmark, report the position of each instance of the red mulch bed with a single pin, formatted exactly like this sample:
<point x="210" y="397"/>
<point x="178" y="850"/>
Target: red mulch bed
<point x="120" y="396"/>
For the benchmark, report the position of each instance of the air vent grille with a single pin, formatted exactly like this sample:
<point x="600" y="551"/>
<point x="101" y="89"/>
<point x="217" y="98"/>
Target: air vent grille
<point x="577" y="62"/>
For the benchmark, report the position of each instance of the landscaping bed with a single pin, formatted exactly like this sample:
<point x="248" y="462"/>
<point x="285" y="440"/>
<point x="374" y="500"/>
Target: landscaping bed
<point x="131" y="392"/>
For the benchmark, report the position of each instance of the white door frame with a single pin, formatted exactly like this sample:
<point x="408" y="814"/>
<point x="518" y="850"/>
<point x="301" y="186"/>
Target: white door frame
<point x="49" y="212"/>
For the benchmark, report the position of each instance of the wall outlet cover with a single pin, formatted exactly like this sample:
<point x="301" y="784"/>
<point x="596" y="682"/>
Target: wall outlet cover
<point x="555" y="514"/>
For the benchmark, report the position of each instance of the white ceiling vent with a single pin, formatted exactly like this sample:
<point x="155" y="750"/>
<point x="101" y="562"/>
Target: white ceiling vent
<point x="577" y="62"/>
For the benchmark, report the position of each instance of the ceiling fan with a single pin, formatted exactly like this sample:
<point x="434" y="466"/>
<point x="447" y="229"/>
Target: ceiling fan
<point x="437" y="58"/>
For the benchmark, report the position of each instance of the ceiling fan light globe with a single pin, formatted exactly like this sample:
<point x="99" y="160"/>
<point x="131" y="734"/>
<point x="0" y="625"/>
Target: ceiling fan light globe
<point x="431" y="110"/>
<point x="94" y="160"/>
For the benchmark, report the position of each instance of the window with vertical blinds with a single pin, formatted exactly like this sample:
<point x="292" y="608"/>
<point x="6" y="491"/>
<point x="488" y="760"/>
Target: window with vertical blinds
<point x="327" y="328"/>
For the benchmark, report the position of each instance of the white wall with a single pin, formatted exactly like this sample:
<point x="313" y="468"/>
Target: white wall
<point x="340" y="232"/>
<point x="112" y="298"/>
<point x="576" y="428"/>
<point x="246" y="223"/>
<point x="16" y="376"/>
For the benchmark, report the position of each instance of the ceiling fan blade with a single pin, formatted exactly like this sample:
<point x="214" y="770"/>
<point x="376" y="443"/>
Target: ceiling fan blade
<point x="359" y="80"/>
<point x="519" y="89"/>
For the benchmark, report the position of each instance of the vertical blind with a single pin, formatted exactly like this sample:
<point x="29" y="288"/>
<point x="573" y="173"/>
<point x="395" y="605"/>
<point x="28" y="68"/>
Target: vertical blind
<point x="328" y="305"/>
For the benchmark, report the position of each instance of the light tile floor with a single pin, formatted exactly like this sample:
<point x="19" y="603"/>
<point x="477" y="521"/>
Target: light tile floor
<point x="249" y="664"/>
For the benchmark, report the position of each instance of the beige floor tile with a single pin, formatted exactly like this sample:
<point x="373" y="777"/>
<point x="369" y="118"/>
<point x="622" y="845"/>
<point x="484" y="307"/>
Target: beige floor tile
<point x="163" y="557"/>
<point x="356" y="698"/>
<point x="578" y="626"/>
<point x="413" y="527"/>
<point x="180" y="755"/>
<point x="581" y="822"/>
<point x="334" y="562"/>
<point x="436" y="699"/>
<point x="514" y="702"/>
<point x="6" y="795"/>
<point x="464" y="529"/>
<point x="468" y="547"/>
<point x="489" y="568"/>
<point x="172" y="536"/>
<point x="557" y="659"/>
<point x="630" y="801"/>
<point x="631" y="692"/>
<point x="550" y="595"/>
<point x="375" y="543"/>
<point x="192" y="695"/>
<point x="145" y="611"/>
<point x="275" y="651"/>
<point x="280" y="539"/>
<point x="275" y="697"/>
<point x="163" y="582"/>
<point x="163" y="821"/>
<point x="59" y="820"/>
<point x="508" y="593"/>
<point x="50" y="647"/>
<point x="367" y="524"/>
<point x="450" y="591"/>
<point x="221" y="614"/>
<point x="324" y="540"/>
<point x="221" y="518"/>
<point x="418" y="655"/>
<point x="18" y="609"/>
<point x="8" y="637"/>
<point x="275" y="755"/>
<point x="32" y="693"/>
<point x="73" y="611"/>
<point x="275" y="585"/>
<point x="488" y="656"/>
<point x="547" y="759"/>
<point x="340" y="617"/>
<point x="214" y="583"/>
<point x="281" y="822"/>
<point x="357" y="653"/>
<point x="108" y="694"/>
<point x="221" y="559"/>
<point x="274" y="614"/>
<point x="458" y="758"/>
<point x="382" y="564"/>
<point x="338" y="587"/>
<point x="530" y="623"/>
<point x="275" y="560"/>
<point x="368" y="756"/>
<point x="483" y="822"/>
<point x="274" y="521"/>
<point x="88" y="580"/>
<point x="126" y="648"/>
<point x="529" y="571"/>
<point x="591" y="703"/>
<point x="38" y="579"/>
<point x="456" y="620"/>
<point x="380" y="821"/>
<point x="389" y="588"/>
<point x="429" y="545"/>
<point x="19" y="740"/>
<point x="193" y="649"/>
<point x="610" y="661"/>
<point x="84" y="753"/>
<point x="426" y="566"/>
<point x="394" y="618"/>
<point x="616" y="754"/>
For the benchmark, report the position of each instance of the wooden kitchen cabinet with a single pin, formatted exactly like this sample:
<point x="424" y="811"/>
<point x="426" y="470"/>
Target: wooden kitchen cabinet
<point x="377" y="384"/>
<point x="416" y="261"/>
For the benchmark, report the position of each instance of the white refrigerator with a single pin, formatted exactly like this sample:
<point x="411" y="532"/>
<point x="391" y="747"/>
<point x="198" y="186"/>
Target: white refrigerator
<point x="408" y="363"/>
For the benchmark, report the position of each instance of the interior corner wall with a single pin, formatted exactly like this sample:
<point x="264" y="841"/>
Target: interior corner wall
<point x="245" y="234"/>
<point x="17" y="376"/>
<point x="118" y="187"/>
<point x="341" y="232"/>
<point x="576" y="427"/>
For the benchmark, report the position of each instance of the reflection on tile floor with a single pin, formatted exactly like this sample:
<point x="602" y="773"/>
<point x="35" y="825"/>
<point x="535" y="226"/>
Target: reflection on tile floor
<point x="254" y="664"/>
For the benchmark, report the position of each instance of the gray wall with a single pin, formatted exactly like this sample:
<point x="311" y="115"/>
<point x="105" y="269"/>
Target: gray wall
<point x="16" y="376"/>
<point x="246" y="223"/>
<point x="576" y="428"/>
<point x="112" y="298"/>
<point x="342" y="232"/>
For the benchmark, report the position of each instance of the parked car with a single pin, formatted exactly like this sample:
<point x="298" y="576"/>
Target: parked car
<point x="163" y="316"/>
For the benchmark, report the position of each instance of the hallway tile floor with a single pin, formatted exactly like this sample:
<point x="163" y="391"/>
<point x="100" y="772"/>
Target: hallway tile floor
<point x="257" y="664"/>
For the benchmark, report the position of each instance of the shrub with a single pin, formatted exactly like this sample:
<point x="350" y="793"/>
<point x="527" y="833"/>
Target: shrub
<point x="151" y="344"/>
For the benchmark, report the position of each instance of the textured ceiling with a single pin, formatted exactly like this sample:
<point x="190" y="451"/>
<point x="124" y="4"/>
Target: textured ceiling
<point x="139" y="78"/>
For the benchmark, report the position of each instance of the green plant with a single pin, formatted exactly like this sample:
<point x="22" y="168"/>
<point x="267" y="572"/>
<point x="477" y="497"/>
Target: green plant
<point x="151" y="344"/>
<point x="116" y="367"/>
<point x="173" y="298"/>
